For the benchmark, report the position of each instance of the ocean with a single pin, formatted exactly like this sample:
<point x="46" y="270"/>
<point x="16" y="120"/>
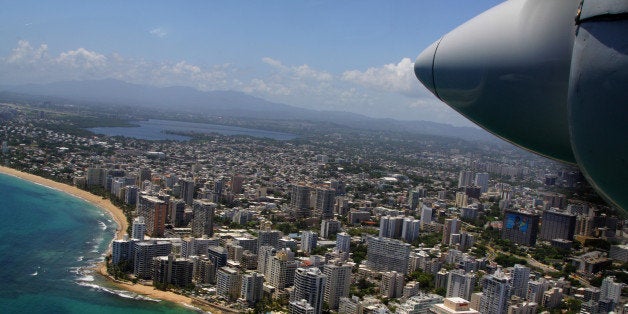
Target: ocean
<point x="49" y="242"/>
<point x="156" y="130"/>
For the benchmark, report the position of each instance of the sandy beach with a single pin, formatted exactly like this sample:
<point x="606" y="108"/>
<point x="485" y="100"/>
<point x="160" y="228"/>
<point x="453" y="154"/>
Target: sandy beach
<point x="118" y="216"/>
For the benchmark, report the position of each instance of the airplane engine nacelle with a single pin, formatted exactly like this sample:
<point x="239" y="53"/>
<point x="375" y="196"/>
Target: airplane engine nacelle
<point x="549" y="76"/>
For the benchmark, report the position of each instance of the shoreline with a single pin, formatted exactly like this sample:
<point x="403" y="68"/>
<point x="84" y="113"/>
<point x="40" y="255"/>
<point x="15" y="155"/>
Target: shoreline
<point x="118" y="216"/>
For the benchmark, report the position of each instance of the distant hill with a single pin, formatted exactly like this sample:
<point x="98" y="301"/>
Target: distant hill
<point x="223" y="103"/>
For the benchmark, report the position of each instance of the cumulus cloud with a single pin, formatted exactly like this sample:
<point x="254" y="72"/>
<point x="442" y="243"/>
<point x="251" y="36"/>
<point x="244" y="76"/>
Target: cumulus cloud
<point x="395" y="78"/>
<point x="386" y="91"/>
<point x="158" y="32"/>
<point x="82" y="58"/>
<point x="24" y="52"/>
<point x="301" y="71"/>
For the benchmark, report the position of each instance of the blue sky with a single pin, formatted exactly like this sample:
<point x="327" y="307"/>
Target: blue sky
<point x="334" y="55"/>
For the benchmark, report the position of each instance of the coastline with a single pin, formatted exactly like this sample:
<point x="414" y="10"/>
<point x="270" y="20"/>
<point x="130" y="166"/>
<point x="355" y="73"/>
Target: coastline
<point x="104" y="204"/>
<point x="118" y="215"/>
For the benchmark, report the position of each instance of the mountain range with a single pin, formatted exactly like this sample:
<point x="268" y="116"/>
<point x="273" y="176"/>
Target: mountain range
<point x="223" y="103"/>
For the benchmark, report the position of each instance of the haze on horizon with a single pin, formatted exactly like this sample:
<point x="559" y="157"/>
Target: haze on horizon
<point x="354" y="56"/>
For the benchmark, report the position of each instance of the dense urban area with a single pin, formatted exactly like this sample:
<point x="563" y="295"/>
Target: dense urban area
<point x="337" y="220"/>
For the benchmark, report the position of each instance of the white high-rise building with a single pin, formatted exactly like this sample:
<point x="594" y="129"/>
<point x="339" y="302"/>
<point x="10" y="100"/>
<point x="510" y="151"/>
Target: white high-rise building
<point x="481" y="180"/>
<point x="228" y="283"/>
<point x="465" y="178"/>
<point x="309" y="285"/>
<point x="386" y="254"/>
<point x="520" y="278"/>
<point x="338" y="282"/>
<point x="392" y="284"/>
<point x="610" y="289"/>
<point x="252" y="288"/>
<point x="308" y="241"/>
<point x="139" y="228"/>
<point x="411" y="229"/>
<point x="203" y="221"/>
<point x="450" y="227"/>
<point x="495" y="295"/>
<point x="426" y="215"/>
<point x="460" y="284"/>
<point x="390" y="227"/>
<point x="282" y="269"/>
<point x="536" y="289"/>
<point x="343" y="242"/>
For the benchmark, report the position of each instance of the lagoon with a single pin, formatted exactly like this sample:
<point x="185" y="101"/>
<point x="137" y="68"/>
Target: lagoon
<point x="154" y="129"/>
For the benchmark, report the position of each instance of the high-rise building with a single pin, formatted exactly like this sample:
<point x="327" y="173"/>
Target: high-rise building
<point x="187" y="190"/>
<point x="450" y="226"/>
<point x="536" y="288"/>
<point x="144" y="175"/>
<point x="410" y="229"/>
<point x="460" y="284"/>
<point x="325" y="199"/>
<point x="265" y="254"/>
<point x="391" y="285"/>
<point x="300" y="201"/>
<point x="465" y="178"/>
<point x="252" y="288"/>
<point x="130" y="194"/>
<point x="338" y="282"/>
<point x="466" y="241"/>
<point x="228" y="283"/>
<point x="385" y="254"/>
<point x="205" y="271"/>
<point x="300" y="307"/>
<point x="236" y="184"/>
<point x="203" y="221"/>
<point x="611" y="289"/>
<point x="557" y="225"/>
<point x="414" y="196"/>
<point x="520" y="278"/>
<point x="473" y="191"/>
<point x="96" y="176"/>
<point x="329" y="228"/>
<point x="143" y="254"/>
<point x="173" y="271"/>
<point x="218" y="255"/>
<point x="481" y="180"/>
<point x="121" y="251"/>
<point x="154" y="212"/>
<point x="552" y="298"/>
<point x="308" y="241"/>
<point x="282" y="269"/>
<point x="268" y="237"/>
<point x="520" y="227"/>
<point x="309" y="285"/>
<point x="426" y="216"/>
<point x="177" y="213"/>
<point x="391" y="227"/>
<point x="138" y="230"/>
<point x="495" y="294"/>
<point x="462" y="199"/>
<point x="343" y="242"/>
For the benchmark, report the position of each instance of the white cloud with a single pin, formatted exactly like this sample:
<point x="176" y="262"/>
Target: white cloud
<point x="394" y="78"/>
<point x="158" y="32"/>
<point x="82" y="58"/>
<point x="24" y="52"/>
<point x="390" y="90"/>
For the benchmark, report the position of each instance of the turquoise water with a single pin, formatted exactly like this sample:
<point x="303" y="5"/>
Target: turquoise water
<point x="48" y="243"/>
<point x="156" y="130"/>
